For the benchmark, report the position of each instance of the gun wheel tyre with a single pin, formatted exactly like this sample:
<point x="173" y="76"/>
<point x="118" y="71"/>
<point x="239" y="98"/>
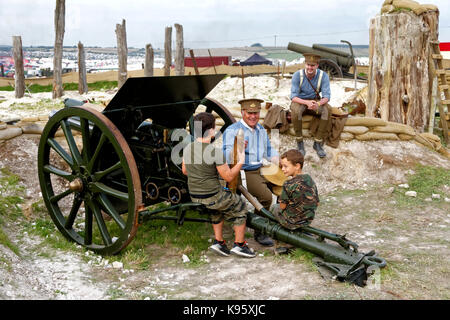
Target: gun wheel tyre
<point x="89" y="180"/>
<point x="330" y="67"/>
<point x="215" y="106"/>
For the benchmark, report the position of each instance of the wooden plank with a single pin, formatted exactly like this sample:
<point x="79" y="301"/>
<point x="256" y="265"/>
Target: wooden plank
<point x="444" y="87"/>
<point x="437" y="56"/>
<point x="447" y="102"/>
<point x="434" y="42"/>
<point x="441" y="71"/>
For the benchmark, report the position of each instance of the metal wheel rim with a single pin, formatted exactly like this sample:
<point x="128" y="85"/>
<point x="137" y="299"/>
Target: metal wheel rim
<point x="93" y="193"/>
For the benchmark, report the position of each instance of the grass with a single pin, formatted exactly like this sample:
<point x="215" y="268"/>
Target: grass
<point x="10" y="199"/>
<point x="426" y="180"/>
<point x="95" y="86"/>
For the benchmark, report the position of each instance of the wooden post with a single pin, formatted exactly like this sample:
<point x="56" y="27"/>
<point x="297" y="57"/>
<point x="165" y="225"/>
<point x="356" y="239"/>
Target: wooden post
<point x="82" y="82"/>
<point x="212" y="61"/>
<point x="191" y="52"/>
<point x="243" y="86"/>
<point x="278" y="74"/>
<point x="149" y="61"/>
<point x="179" y="54"/>
<point x="168" y="51"/>
<point x="19" y="76"/>
<point x="60" y="12"/>
<point x="122" y="53"/>
<point x="399" y="83"/>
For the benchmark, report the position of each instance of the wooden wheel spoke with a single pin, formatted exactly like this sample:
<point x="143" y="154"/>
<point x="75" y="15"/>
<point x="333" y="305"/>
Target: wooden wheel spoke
<point x="99" y="187"/>
<point x="111" y="210"/>
<point x="85" y="133"/>
<point x="73" y="213"/>
<point x="59" y="150"/>
<point x="100" y="223"/>
<point x="58" y="197"/>
<point x="64" y="174"/>
<point x="87" y="225"/>
<point x="100" y="174"/>
<point x="99" y="147"/>
<point x="71" y="143"/>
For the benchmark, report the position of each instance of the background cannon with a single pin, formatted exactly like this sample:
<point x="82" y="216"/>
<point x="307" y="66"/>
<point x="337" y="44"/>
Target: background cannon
<point x="337" y="63"/>
<point x="101" y="172"/>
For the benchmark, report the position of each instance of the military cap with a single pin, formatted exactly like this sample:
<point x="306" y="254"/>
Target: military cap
<point x="311" y="58"/>
<point x="251" y="105"/>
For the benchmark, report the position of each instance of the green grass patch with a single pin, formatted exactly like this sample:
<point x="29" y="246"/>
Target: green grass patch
<point x="426" y="180"/>
<point x="10" y="199"/>
<point x="95" y="86"/>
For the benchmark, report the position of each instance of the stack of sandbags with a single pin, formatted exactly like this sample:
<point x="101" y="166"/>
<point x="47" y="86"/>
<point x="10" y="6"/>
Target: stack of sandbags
<point x="395" y="5"/>
<point x="32" y="125"/>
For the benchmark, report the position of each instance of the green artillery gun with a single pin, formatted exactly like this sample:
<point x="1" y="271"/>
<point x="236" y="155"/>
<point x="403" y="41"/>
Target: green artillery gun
<point x="101" y="172"/>
<point x="337" y="63"/>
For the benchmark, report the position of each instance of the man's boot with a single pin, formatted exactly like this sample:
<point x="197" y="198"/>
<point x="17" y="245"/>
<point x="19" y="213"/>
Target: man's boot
<point x="301" y="147"/>
<point x="318" y="147"/>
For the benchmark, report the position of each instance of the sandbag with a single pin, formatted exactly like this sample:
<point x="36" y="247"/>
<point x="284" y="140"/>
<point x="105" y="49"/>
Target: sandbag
<point x="346" y="136"/>
<point x="365" y="121"/>
<point x="405" y="137"/>
<point x="386" y="2"/>
<point x="430" y="136"/>
<point x="423" y="141"/>
<point x="387" y="8"/>
<point x="355" y="129"/>
<point x="377" y="136"/>
<point x="395" y="127"/>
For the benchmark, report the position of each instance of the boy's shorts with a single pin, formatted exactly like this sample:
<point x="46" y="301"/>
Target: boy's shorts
<point x="278" y="214"/>
<point x="226" y="205"/>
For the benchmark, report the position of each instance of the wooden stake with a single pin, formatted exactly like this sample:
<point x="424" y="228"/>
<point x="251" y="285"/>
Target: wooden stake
<point x="82" y="82"/>
<point x="19" y="87"/>
<point x="179" y="54"/>
<point x="191" y="52"/>
<point x="243" y="85"/>
<point x="149" y="60"/>
<point x="212" y="62"/>
<point x="122" y="53"/>
<point x="60" y="12"/>
<point x="168" y="51"/>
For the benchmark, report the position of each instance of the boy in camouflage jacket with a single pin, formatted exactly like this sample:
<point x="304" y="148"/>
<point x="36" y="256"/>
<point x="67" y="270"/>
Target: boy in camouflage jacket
<point x="299" y="198"/>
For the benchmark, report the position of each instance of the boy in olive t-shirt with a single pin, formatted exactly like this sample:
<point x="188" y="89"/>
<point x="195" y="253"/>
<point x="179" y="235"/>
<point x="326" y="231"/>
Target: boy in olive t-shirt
<point x="203" y="163"/>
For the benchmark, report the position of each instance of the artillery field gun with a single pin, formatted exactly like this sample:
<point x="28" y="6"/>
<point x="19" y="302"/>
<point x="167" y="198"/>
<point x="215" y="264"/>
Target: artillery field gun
<point x="101" y="172"/>
<point x="337" y="63"/>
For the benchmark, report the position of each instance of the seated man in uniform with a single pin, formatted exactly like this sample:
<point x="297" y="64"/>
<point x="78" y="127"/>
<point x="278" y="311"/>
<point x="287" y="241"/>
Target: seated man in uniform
<point x="203" y="163"/>
<point x="307" y="84"/>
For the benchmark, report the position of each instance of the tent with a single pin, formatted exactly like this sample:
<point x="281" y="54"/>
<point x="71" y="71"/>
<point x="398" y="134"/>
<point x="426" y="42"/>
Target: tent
<point x="255" y="59"/>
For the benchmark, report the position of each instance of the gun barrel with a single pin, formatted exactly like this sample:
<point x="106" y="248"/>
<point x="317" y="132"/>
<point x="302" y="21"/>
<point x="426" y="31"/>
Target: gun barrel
<point x="333" y="51"/>
<point x="326" y="53"/>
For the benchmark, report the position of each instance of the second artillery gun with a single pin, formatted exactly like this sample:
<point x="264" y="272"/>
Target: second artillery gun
<point x="335" y="62"/>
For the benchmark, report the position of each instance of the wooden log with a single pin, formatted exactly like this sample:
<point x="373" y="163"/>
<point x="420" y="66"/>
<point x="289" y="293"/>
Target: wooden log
<point x="179" y="53"/>
<point x="149" y="60"/>
<point x="60" y="12"/>
<point x="19" y="86"/>
<point x="82" y="80"/>
<point x="168" y="51"/>
<point x="398" y="81"/>
<point x="122" y="53"/>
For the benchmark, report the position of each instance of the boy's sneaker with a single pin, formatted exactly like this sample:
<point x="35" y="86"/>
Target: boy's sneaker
<point x="220" y="248"/>
<point x="243" y="250"/>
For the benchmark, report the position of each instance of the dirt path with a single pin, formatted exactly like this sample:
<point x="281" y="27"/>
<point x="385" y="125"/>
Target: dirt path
<point x="356" y="199"/>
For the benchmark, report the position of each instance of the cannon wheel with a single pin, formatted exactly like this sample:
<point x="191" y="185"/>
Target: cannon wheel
<point x="213" y="105"/>
<point x="82" y="185"/>
<point x="330" y="67"/>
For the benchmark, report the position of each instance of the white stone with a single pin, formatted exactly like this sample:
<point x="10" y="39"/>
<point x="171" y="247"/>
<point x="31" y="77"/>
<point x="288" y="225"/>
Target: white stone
<point x="404" y="185"/>
<point x="411" y="194"/>
<point x="117" y="265"/>
<point x="435" y="196"/>
<point x="447" y="199"/>
<point x="185" y="258"/>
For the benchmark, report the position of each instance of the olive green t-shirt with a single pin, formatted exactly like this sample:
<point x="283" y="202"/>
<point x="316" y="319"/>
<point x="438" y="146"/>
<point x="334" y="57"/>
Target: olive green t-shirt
<point x="201" y="160"/>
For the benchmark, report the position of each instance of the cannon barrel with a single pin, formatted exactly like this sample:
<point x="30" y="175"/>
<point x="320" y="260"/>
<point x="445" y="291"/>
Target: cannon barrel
<point x="343" y="59"/>
<point x="342" y="259"/>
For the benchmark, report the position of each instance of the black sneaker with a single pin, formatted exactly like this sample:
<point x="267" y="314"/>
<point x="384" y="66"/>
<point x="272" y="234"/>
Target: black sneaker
<point x="264" y="240"/>
<point x="220" y="248"/>
<point x="243" y="250"/>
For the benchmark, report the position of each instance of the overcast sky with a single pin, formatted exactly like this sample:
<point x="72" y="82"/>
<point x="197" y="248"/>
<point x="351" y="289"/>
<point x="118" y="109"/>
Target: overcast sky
<point x="206" y="23"/>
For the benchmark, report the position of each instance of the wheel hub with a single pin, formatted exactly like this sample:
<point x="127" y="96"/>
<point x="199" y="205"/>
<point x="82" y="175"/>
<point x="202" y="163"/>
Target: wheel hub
<point x="76" y="185"/>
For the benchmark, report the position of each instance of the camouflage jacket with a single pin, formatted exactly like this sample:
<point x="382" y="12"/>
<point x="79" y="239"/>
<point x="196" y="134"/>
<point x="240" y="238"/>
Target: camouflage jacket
<point x="301" y="197"/>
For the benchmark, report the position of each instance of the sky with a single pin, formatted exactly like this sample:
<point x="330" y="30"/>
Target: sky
<point x="206" y="23"/>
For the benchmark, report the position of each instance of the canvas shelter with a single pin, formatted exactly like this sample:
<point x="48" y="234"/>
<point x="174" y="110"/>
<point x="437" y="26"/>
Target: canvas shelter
<point x="254" y="60"/>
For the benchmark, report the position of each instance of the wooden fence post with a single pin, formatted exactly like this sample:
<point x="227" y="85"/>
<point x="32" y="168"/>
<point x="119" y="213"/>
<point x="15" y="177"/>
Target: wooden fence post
<point x="179" y="54"/>
<point x="122" y="53"/>
<point x="191" y="52"/>
<point x="19" y="86"/>
<point x="82" y="82"/>
<point x="149" y="60"/>
<point x="168" y="51"/>
<point x="60" y="12"/>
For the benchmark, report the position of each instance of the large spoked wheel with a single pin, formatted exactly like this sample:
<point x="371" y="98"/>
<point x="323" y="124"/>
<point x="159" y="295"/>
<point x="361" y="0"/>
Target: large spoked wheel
<point x="331" y="67"/>
<point x="223" y="113"/>
<point x="89" y="180"/>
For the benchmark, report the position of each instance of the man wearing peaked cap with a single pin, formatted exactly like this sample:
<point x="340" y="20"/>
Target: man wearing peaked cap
<point x="258" y="147"/>
<point x="310" y="93"/>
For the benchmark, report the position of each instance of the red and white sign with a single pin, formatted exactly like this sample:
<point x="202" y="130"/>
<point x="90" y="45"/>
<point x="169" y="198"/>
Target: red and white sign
<point x="445" y="49"/>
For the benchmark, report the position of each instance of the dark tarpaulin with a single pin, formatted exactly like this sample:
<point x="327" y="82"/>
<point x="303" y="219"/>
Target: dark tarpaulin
<point x="255" y="59"/>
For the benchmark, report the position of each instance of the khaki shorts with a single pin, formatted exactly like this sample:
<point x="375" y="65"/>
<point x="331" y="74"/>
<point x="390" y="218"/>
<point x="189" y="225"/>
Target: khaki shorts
<point x="227" y="206"/>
